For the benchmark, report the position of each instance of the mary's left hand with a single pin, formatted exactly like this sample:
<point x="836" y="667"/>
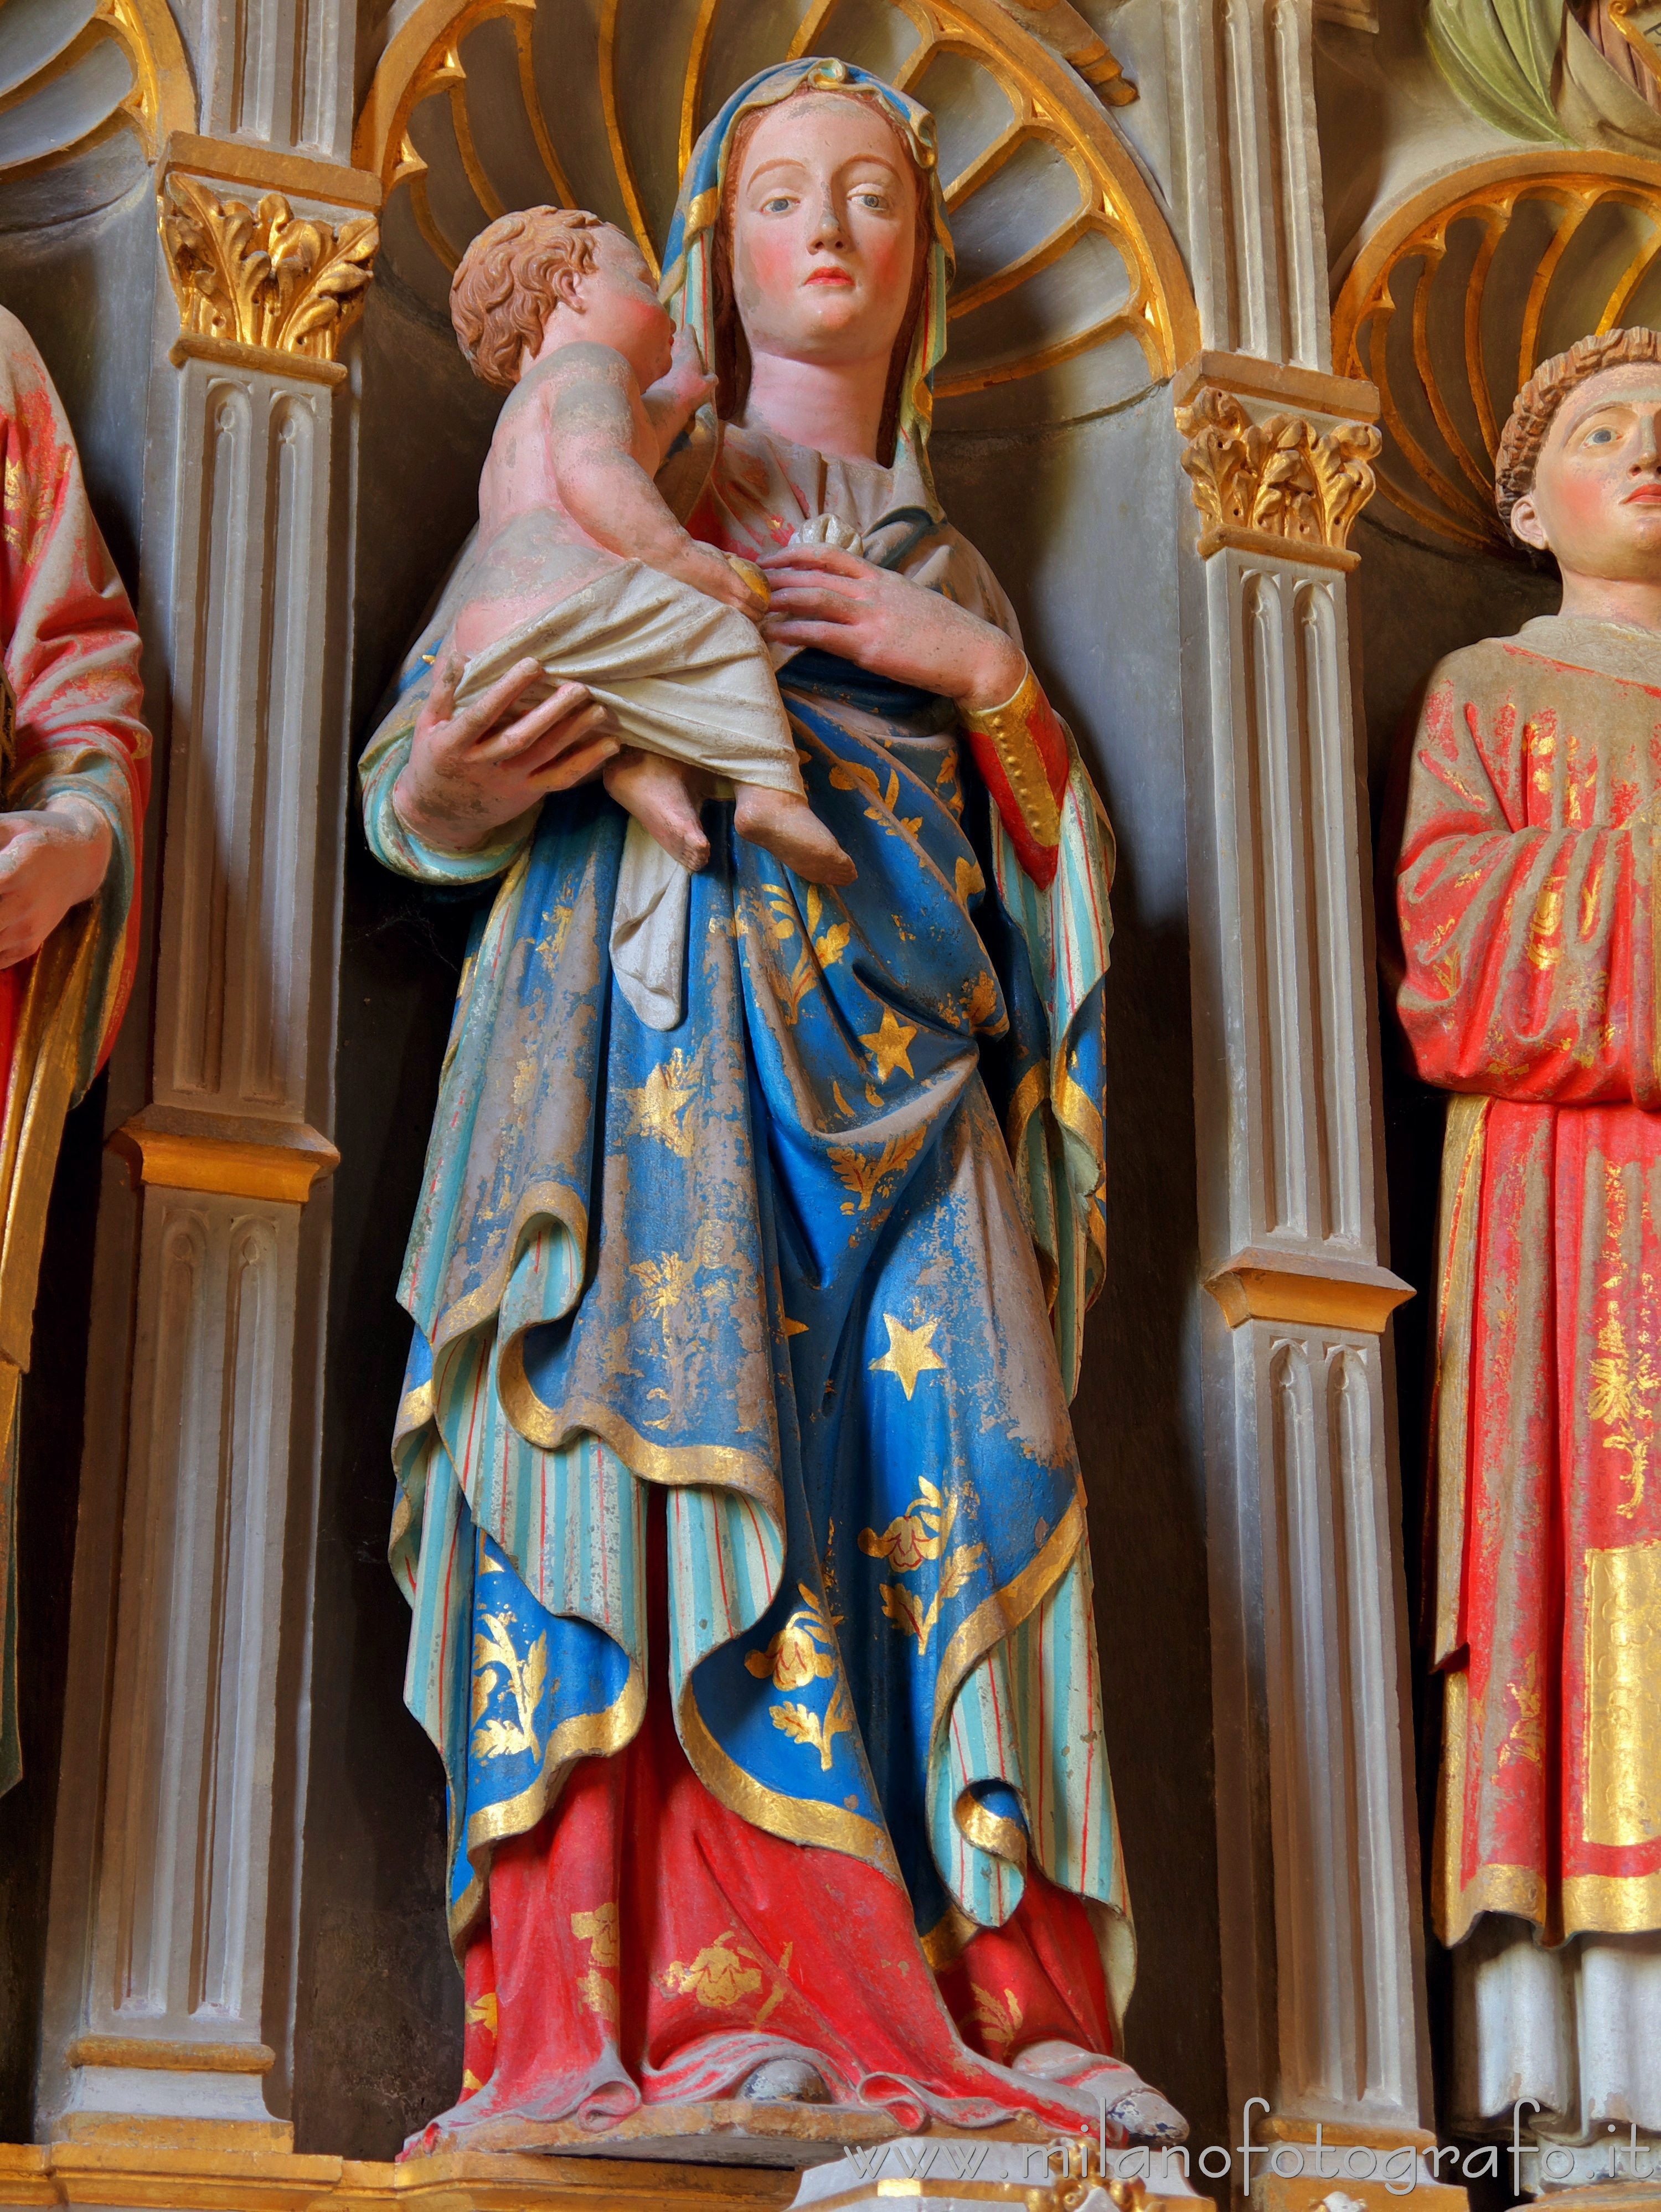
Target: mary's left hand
<point x="834" y="600"/>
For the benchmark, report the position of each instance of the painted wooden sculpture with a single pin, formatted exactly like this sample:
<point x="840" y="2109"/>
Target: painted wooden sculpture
<point x="76" y="769"/>
<point x="1526" y="981"/>
<point x="740" y="1510"/>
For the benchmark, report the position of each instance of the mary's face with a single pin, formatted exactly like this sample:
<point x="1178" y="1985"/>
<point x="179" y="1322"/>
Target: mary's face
<point x="823" y="232"/>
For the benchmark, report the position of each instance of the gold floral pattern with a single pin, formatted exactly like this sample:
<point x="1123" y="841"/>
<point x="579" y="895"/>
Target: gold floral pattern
<point x="602" y="1931"/>
<point x="820" y="948"/>
<point x="719" y="1977"/>
<point x="803" y="1652"/>
<point x="1527" y="1737"/>
<point x="793" y="1658"/>
<point x="854" y="775"/>
<point x="864" y="1175"/>
<point x="1626" y="1376"/>
<point x="656" y="1108"/>
<point x="1000" y="2019"/>
<point x="497" y="1667"/>
<point x="919" y="1533"/>
<point x="818" y="1731"/>
<point x="905" y="1607"/>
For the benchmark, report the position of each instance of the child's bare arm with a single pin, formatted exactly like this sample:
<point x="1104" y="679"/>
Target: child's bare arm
<point x="602" y="486"/>
<point x="672" y="402"/>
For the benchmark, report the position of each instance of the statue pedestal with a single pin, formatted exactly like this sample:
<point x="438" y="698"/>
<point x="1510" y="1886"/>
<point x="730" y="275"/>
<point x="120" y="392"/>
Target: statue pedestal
<point x="961" y="2173"/>
<point x="727" y="2131"/>
<point x="80" y="2176"/>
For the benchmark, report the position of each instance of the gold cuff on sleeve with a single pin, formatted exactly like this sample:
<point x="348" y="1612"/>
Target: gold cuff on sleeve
<point x="1010" y="729"/>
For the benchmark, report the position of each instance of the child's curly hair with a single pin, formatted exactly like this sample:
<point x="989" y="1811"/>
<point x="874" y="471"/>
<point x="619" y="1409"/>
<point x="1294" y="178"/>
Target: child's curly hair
<point x="509" y="278"/>
<point x="1537" y="405"/>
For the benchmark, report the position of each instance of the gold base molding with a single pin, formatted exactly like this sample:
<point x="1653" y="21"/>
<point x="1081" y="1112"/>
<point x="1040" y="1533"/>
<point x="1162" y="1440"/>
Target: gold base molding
<point x="1313" y="2196"/>
<point x="1377" y="2134"/>
<point x="1227" y="537"/>
<point x="1326" y="2147"/>
<point x="229" y="353"/>
<point x="1262" y="1284"/>
<point x="273" y="1160"/>
<point x="209" y="2180"/>
<point x="170" y="2056"/>
<point x="121" y="2133"/>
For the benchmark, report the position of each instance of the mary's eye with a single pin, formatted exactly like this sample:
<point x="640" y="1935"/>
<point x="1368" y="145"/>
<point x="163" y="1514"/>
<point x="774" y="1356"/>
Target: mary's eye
<point x="779" y="204"/>
<point x="1603" y="437"/>
<point x="873" y="199"/>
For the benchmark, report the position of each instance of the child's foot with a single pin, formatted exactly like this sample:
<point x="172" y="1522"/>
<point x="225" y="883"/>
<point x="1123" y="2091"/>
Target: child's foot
<point x="785" y="825"/>
<point x="659" y="794"/>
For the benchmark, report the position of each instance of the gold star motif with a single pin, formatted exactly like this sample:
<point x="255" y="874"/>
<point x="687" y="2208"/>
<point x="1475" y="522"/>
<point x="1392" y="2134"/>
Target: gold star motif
<point x="654" y="1111"/>
<point x="909" y="1354"/>
<point x="891" y="1045"/>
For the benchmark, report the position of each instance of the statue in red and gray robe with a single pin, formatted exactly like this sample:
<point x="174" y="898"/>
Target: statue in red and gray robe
<point x="75" y="774"/>
<point x="1526" y="902"/>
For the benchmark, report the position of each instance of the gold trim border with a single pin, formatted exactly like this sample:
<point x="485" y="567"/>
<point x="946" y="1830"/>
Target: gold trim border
<point x="797" y="1819"/>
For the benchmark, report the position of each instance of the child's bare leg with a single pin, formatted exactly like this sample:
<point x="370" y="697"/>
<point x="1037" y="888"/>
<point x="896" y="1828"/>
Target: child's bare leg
<point x="659" y="793"/>
<point x="784" y="825"/>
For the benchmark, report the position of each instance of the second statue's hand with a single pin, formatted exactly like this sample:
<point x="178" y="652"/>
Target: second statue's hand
<point x="841" y="603"/>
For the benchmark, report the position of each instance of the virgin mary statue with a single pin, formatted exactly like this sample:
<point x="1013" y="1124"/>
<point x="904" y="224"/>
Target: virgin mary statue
<point x="737" y="1506"/>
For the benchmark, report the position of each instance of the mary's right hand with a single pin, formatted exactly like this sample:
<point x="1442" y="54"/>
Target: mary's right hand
<point x="471" y="772"/>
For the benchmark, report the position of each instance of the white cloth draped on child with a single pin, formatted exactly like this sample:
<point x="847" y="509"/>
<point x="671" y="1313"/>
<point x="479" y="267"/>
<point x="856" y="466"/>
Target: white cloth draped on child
<point x="685" y="678"/>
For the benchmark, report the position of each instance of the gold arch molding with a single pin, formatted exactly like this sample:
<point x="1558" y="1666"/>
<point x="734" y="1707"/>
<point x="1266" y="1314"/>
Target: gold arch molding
<point x="78" y="74"/>
<point x="1458" y="297"/>
<point x="1070" y="291"/>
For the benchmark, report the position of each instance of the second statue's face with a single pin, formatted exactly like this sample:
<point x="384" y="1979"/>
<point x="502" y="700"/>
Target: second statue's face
<point x="1596" y="500"/>
<point x="823" y="232"/>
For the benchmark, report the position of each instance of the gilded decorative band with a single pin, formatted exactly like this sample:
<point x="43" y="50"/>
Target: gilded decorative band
<point x="1009" y="729"/>
<point x="281" y="1166"/>
<point x="172" y="2055"/>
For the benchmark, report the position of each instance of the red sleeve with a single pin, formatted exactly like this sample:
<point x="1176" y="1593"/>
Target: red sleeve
<point x="1527" y="960"/>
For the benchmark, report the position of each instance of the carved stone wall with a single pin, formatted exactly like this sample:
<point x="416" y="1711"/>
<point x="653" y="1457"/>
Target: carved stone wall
<point x="172" y="1935"/>
<point x="1321" y="1925"/>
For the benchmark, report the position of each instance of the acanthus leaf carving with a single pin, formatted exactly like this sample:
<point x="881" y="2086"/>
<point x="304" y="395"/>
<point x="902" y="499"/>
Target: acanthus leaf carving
<point x="264" y="276"/>
<point x="1283" y="478"/>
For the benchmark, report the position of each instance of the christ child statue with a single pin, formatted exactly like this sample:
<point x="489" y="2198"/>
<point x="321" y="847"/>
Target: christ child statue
<point x="580" y="566"/>
<point x="1527" y="898"/>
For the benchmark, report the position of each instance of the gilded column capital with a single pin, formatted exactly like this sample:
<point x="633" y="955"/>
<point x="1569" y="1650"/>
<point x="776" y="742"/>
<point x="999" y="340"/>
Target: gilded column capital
<point x="259" y="285"/>
<point x="1287" y="484"/>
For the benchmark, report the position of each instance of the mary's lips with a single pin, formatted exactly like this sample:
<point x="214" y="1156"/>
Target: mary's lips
<point x="1646" y="494"/>
<point x="830" y="277"/>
